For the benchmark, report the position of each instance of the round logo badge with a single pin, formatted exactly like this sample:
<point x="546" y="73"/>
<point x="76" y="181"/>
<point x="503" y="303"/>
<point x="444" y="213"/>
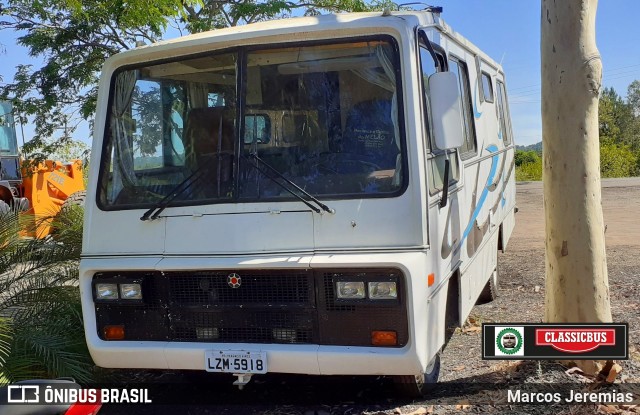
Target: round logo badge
<point x="509" y="341"/>
<point x="234" y="280"/>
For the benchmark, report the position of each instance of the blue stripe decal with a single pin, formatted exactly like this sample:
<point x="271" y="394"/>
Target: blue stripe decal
<point x="485" y="192"/>
<point x="476" y="113"/>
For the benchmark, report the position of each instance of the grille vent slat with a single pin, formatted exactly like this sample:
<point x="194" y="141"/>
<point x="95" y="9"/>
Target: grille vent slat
<point x="213" y="288"/>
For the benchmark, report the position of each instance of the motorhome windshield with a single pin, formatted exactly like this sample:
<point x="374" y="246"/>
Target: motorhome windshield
<point x="325" y="116"/>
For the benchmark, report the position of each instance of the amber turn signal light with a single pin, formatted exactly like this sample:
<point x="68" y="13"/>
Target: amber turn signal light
<point x="384" y="338"/>
<point x="431" y="279"/>
<point x="113" y="332"/>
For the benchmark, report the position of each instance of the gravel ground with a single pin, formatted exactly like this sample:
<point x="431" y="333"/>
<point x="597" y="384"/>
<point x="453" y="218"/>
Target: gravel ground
<point x="522" y="288"/>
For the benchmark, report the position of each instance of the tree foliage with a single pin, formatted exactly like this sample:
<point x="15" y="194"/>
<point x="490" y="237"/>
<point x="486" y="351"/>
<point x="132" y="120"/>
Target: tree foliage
<point x="523" y="157"/>
<point x="619" y="127"/>
<point x="73" y="38"/>
<point x="216" y="14"/>
<point x="619" y="122"/>
<point x="617" y="160"/>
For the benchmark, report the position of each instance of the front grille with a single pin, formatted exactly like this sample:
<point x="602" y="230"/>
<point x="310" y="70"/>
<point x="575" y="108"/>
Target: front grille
<point x="268" y="306"/>
<point x="204" y="288"/>
<point x="246" y="327"/>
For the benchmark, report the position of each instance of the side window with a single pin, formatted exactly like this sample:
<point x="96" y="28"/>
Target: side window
<point x="469" y="147"/>
<point x="503" y="114"/>
<point x="428" y="68"/>
<point x="257" y="129"/>
<point x="487" y="87"/>
<point x="436" y="158"/>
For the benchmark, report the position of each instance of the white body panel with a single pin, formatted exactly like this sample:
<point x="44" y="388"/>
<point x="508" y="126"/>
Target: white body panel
<point x="409" y="232"/>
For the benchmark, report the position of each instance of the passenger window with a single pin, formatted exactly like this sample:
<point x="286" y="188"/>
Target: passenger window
<point x="503" y="114"/>
<point x="257" y="129"/>
<point x="215" y="99"/>
<point x="469" y="147"/>
<point x="437" y="157"/>
<point x="487" y="87"/>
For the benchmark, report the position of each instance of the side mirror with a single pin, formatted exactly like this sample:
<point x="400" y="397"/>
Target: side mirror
<point x="444" y="97"/>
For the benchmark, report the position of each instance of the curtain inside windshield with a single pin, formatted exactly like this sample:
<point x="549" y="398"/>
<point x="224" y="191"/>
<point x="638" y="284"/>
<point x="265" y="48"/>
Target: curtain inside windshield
<point x="324" y="117"/>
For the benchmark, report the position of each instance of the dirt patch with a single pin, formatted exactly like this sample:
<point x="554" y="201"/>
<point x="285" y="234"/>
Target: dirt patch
<point x="522" y="270"/>
<point x="522" y="288"/>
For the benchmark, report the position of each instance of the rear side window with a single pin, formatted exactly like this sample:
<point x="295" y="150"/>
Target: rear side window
<point x="468" y="148"/>
<point x="487" y="87"/>
<point x="503" y="114"/>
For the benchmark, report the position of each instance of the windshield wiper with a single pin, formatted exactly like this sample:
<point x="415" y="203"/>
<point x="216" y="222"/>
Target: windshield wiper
<point x="199" y="173"/>
<point x="295" y="186"/>
<point x="157" y="209"/>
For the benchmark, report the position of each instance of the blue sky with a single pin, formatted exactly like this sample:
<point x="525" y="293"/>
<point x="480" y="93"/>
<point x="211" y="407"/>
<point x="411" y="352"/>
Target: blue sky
<point x="507" y="30"/>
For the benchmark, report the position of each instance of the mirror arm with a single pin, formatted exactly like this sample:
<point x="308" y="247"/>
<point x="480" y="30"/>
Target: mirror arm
<point x="429" y="46"/>
<point x="445" y="183"/>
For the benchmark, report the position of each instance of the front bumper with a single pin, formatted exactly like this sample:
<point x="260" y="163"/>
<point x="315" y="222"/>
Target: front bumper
<point x="319" y="359"/>
<point x="299" y="359"/>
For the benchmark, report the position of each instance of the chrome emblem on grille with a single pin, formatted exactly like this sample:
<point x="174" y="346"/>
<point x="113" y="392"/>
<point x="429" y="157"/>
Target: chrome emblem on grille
<point x="234" y="280"/>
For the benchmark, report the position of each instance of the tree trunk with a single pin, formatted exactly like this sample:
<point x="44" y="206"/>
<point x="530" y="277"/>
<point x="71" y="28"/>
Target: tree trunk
<point x="577" y="287"/>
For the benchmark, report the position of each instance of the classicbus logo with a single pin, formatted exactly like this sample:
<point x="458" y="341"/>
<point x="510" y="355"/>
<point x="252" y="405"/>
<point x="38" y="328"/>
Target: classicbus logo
<point x="575" y="340"/>
<point x="555" y="341"/>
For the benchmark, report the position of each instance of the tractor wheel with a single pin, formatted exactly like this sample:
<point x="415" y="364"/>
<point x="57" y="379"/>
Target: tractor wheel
<point x="4" y="207"/>
<point x="67" y="216"/>
<point x="75" y="199"/>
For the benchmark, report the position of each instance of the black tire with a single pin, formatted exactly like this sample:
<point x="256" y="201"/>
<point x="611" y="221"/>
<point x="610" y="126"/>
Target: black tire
<point x="4" y="208"/>
<point x="491" y="291"/>
<point x="75" y="199"/>
<point x="59" y="221"/>
<point x="417" y="386"/>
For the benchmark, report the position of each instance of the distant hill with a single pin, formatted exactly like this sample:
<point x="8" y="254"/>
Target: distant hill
<point x="537" y="147"/>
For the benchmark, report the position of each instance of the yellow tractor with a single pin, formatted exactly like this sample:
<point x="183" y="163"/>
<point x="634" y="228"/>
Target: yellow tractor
<point x="40" y="191"/>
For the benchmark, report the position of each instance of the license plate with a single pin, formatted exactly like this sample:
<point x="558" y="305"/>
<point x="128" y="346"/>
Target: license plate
<point x="235" y="361"/>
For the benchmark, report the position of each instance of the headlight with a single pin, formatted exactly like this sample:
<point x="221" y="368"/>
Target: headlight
<point x="350" y="290"/>
<point x="130" y="291"/>
<point x="383" y="290"/>
<point x="106" y="291"/>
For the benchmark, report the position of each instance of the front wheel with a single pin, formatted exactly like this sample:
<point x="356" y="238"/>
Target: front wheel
<point x="416" y="386"/>
<point x="490" y="291"/>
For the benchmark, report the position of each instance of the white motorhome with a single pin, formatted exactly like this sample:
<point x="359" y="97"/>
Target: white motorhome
<point x="319" y="195"/>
